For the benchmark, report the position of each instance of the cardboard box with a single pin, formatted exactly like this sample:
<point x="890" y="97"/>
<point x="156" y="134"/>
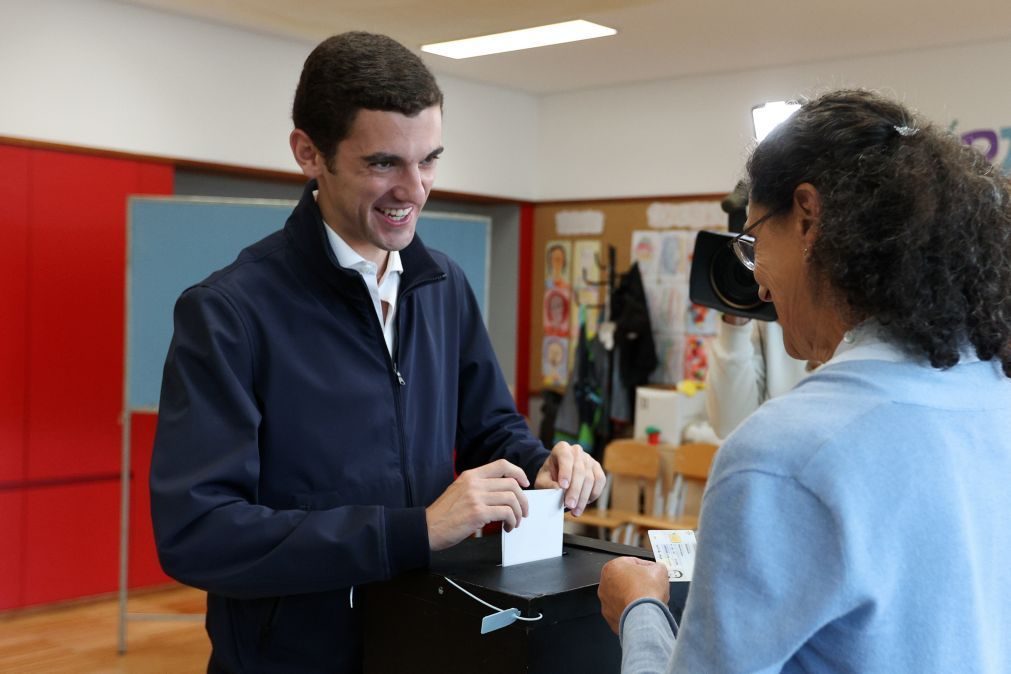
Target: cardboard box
<point x="667" y="409"/>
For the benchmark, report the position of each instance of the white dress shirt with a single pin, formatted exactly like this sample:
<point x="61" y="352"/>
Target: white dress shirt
<point x="381" y="289"/>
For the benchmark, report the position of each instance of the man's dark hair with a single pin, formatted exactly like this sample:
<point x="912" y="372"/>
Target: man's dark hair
<point x="353" y="71"/>
<point x="915" y="226"/>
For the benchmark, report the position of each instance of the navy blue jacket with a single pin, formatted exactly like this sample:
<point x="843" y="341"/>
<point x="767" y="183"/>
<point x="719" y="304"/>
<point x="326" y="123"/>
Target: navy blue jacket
<point x="294" y="457"/>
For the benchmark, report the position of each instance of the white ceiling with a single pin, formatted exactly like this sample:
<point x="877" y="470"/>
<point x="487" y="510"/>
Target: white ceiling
<point x="658" y="39"/>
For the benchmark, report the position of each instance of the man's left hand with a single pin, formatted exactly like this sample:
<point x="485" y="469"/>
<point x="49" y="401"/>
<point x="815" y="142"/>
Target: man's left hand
<point x="570" y="468"/>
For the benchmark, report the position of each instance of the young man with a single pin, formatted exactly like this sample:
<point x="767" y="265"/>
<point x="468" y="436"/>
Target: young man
<point x="316" y="389"/>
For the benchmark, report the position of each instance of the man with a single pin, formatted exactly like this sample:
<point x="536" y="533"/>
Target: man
<point x="748" y="365"/>
<point x="316" y="389"/>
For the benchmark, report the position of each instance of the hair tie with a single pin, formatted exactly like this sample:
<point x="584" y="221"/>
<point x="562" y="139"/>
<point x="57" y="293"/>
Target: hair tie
<point x="906" y="130"/>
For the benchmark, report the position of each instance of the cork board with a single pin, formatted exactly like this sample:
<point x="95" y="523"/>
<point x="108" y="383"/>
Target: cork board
<point x="571" y="228"/>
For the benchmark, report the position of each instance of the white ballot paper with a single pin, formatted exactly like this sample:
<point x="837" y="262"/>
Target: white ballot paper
<point x="539" y="535"/>
<point x="675" y="549"/>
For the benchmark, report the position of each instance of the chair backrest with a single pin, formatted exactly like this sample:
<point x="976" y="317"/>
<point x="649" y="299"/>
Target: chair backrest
<point x="634" y="466"/>
<point x="685" y="471"/>
<point x="632" y="458"/>
<point x="694" y="459"/>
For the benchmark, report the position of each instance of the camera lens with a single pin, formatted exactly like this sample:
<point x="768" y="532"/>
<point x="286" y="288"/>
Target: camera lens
<point x="732" y="282"/>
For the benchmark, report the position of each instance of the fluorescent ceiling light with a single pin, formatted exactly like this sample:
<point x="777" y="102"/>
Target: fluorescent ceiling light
<point x="768" y="116"/>
<point x="528" y="38"/>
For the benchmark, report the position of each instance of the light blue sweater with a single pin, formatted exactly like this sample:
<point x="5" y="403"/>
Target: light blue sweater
<point x="859" y="523"/>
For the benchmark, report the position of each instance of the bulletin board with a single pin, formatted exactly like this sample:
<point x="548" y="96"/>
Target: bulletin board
<point x="562" y="297"/>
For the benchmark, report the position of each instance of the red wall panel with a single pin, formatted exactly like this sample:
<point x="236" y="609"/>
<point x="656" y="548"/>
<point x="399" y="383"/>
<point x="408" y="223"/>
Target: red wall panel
<point x="66" y="537"/>
<point x="71" y="539"/>
<point x="154" y="179"/>
<point x="13" y="311"/>
<point x="145" y="569"/>
<point x="75" y="313"/>
<point x="11" y="549"/>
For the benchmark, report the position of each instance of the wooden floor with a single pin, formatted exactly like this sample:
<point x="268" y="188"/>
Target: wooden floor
<point x="83" y="637"/>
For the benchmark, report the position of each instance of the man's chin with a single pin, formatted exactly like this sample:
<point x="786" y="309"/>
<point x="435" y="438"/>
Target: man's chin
<point x="397" y="243"/>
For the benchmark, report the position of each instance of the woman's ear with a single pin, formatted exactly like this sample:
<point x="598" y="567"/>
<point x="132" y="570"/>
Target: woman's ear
<point x="807" y="204"/>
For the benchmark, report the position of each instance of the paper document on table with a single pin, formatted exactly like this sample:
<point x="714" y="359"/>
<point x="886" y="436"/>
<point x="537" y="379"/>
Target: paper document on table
<point x="675" y="549"/>
<point x="539" y="535"/>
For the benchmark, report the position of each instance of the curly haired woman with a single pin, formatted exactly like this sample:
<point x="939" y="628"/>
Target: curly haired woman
<point x="860" y="522"/>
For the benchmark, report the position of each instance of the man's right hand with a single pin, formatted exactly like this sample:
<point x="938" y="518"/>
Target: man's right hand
<point x="480" y="496"/>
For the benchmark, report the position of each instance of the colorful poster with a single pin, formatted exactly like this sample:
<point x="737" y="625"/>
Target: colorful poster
<point x="587" y="278"/>
<point x="666" y="302"/>
<point x="670" y="353"/>
<point x="587" y="256"/>
<point x="673" y="255"/>
<point x="557" y="265"/>
<point x="557" y="307"/>
<point x="555" y="361"/>
<point x="646" y="251"/>
<point x="696" y="357"/>
<point x="680" y="328"/>
<point x="700" y="320"/>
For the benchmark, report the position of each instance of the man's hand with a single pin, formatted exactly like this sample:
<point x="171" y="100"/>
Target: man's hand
<point x="480" y="496"/>
<point x="626" y="579"/>
<point x="575" y="471"/>
<point x="735" y="320"/>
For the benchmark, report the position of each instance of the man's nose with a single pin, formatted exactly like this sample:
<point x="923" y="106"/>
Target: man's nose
<point x="411" y="186"/>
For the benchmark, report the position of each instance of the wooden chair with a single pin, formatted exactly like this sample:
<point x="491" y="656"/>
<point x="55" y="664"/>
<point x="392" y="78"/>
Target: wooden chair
<point x="632" y="468"/>
<point x="684" y="469"/>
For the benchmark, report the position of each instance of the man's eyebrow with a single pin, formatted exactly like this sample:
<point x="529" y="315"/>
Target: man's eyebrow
<point x="390" y="158"/>
<point x="381" y="158"/>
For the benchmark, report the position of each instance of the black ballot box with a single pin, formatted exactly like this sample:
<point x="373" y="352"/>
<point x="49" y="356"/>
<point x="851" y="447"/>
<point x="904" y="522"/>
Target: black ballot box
<point x="420" y="622"/>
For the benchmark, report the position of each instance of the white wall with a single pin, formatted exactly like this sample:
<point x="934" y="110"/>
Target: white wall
<point x="101" y="74"/>
<point x="691" y="135"/>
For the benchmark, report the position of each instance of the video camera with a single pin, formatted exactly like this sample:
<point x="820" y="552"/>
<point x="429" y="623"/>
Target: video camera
<point x="718" y="279"/>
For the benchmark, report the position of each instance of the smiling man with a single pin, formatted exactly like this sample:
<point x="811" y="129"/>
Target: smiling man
<point x="316" y="388"/>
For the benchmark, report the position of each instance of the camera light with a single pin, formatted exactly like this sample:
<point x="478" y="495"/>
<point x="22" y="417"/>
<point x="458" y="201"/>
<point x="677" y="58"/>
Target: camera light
<point x="768" y="116"/>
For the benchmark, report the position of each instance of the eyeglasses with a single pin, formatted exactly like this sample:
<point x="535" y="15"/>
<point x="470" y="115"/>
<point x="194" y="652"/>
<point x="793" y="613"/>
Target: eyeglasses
<point x="743" y="244"/>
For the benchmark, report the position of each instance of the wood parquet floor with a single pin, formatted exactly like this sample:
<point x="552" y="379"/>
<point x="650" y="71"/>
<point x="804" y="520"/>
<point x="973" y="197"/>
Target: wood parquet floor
<point x="82" y="637"/>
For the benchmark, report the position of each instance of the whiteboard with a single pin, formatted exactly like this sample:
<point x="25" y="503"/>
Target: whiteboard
<point x="175" y="242"/>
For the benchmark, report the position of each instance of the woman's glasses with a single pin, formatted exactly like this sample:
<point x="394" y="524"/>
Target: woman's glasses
<point x="743" y="244"/>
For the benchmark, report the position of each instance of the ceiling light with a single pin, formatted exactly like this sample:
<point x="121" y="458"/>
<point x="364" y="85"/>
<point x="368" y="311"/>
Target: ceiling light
<point x="540" y="36"/>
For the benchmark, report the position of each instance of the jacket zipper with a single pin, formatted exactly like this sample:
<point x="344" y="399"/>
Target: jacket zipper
<point x="398" y="388"/>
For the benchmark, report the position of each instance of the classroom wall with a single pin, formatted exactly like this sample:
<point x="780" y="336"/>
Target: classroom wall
<point x="103" y="74"/>
<point x="690" y="136"/>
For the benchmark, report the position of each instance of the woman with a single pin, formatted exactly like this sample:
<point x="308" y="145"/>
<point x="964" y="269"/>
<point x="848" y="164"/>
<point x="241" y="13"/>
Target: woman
<point x="862" y="521"/>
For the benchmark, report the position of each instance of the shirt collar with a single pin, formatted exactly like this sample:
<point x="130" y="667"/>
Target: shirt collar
<point x="867" y="342"/>
<point x="348" y="258"/>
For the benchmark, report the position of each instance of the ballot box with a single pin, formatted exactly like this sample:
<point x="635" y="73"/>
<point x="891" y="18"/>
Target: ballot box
<point x="421" y="622"/>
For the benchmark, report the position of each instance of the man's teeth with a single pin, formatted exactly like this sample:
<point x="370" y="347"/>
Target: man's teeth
<point x="396" y="213"/>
